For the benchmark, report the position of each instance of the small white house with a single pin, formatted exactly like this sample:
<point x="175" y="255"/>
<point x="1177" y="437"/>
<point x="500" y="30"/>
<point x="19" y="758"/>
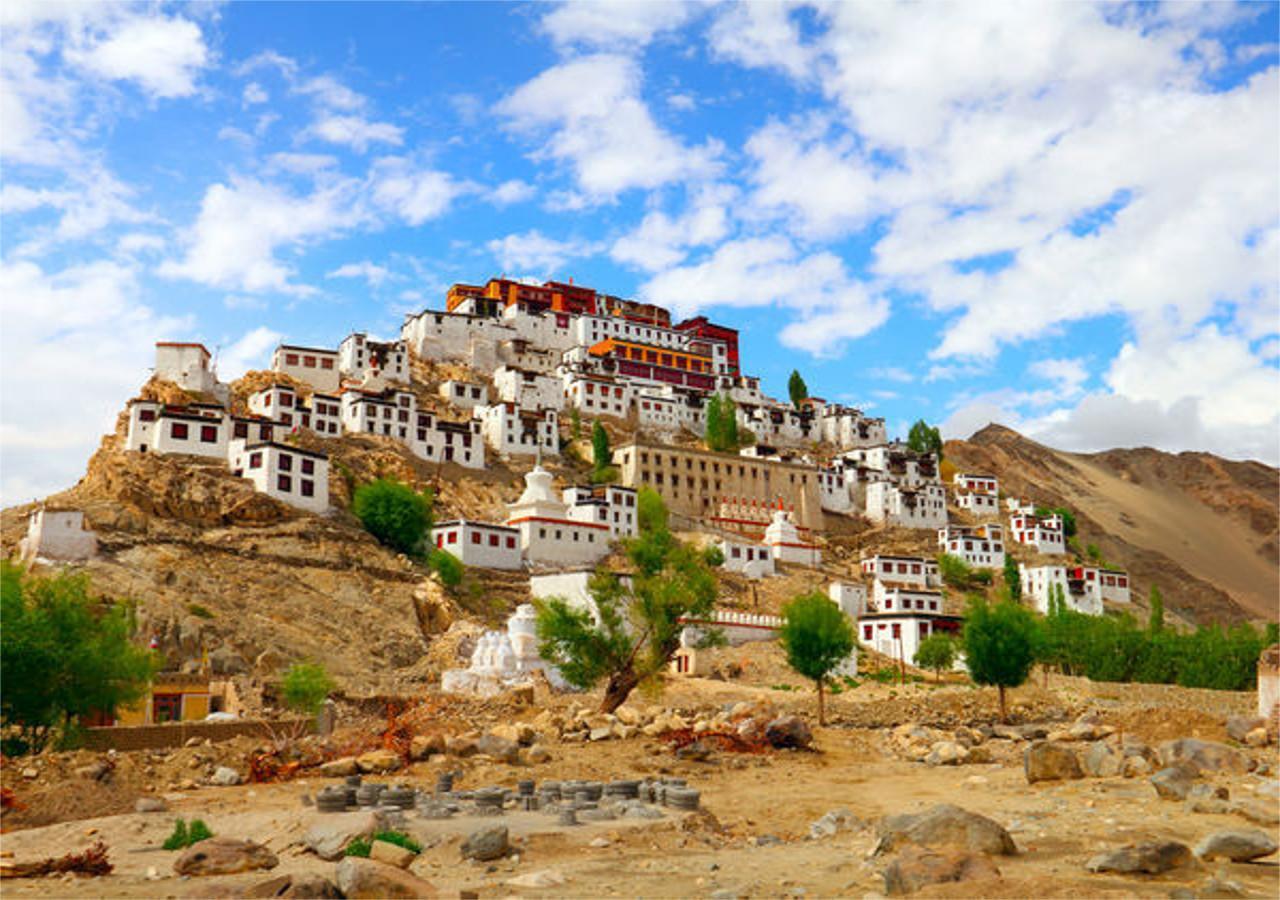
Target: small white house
<point x="480" y="544"/>
<point x="289" y="474"/>
<point x="981" y="547"/>
<point x="513" y="430"/>
<point x="197" y="430"/>
<point x="279" y="402"/>
<point x="311" y="365"/>
<point x="187" y="366"/>
<point x="923" y="506"/>
<point x="890" y="597"/>
<point x="850" y="596"/>
<point x="1046" y="534"/>
<point x="325" y="414"/>
<point x="978" y="494"/>
<point x="748" y="559"/>
<point x="1084" y="588"/>
<point x="898" y="635"/>
<point x="784" y="542"/>
<point x="598" y="395"/>
<point x="528" y="389"/>
<point x="912" y="570"/>
<point x="465" y="394"/>
<point x="610" y="504"/>
<point x="373" y="363"/>
<point x="57" y="535"/>
<point x="548" y="537"/>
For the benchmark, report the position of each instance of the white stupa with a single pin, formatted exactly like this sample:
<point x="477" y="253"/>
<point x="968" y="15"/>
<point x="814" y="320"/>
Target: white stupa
<point x="503" y="659"/>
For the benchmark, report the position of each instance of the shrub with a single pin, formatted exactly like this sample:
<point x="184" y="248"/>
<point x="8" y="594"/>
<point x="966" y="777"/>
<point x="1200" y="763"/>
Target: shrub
<point x="400" y="839"/>
<point x="1000" y="644"/>
<point x="447" y="566"/>
<point x="817" y="637"/>
<point x="937" y="652"/>
<point x="797" y="390"/>
<point x="601" y="457"/>
<point x="721" y="432"/>
<point x="305" y="687"/>
<point x="198" y="832"/>
<point x="713" y="556"/>
<point x="925" y="439"/>
<point x="182" y="837"/>
<point x="200" y="612"/>
<point x="394" y="513"/>
<point x="360" y="846"/>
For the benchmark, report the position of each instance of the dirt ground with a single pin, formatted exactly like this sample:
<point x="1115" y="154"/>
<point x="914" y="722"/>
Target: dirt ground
<point x="752" y="838"/>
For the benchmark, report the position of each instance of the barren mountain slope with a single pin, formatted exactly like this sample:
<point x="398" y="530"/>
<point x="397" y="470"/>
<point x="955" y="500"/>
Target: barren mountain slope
<point x="1202" y="528"/>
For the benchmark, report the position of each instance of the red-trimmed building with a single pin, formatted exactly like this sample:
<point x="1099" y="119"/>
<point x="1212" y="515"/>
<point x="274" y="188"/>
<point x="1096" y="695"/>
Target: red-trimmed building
<point x="703" y="328"/>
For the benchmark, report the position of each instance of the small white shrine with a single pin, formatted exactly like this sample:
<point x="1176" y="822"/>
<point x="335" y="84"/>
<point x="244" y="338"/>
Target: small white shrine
<point x="503" y="659"/>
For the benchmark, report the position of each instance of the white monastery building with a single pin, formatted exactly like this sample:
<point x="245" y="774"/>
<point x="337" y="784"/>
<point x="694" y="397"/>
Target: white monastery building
<point x="480" y="544"/>
<point x="1084" y="588"/>
<point x="924" y="506"/>
<point x="1045" y="534"/>
<point x="465" y="394"/>
<point x="189" y="366"/>
<point x="287" y="473"/>
<point x="981" y="547"/>
<point x="310" y="365"/>
<point x="978" y="494"/>
<point x="509" y="429"/>
<point x="548" y="536"/>
<point x="57" y="535"/>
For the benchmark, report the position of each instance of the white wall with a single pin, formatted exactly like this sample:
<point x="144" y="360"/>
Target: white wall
<point x="479" y="544"/>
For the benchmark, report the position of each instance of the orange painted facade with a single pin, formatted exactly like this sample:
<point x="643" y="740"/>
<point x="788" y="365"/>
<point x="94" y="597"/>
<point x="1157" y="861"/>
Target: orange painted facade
<point x="553" y="295"/>
<point x="654" y="356"/>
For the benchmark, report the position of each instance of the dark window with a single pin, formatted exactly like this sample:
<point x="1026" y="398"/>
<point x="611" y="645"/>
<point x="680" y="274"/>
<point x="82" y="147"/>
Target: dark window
<point x="240" y="429"/>
<point x="208" y="434"/>
<point x="178" y="431"/>
<point x="511" y="543"/>
<point x="255" y="460"/>
<point x="286" y="462"/>
<point x="308" y="466"/>
<point x="475" y="537"/>
<point x="147" y="415"/>
<point x="326" y="363"/>
<point x="264" y="432"/>
<point x="284" y="482"/>
<point x="308" y="488"/>
<point x="286" y="399"/>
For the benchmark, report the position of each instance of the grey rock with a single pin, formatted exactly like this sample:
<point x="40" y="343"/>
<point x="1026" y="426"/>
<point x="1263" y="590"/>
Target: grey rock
<point x="943" y="825"/>
<point x="1238" y="727"/>
<point x="150" y="805"/>
<point x="947" y="753"/>
<point x="833" y="823"/>
<point x="1102" y="760"/>
<point x="225" y="776"/>
<point x="358" y="877"/>
<point x="603" y="733"/>
<point x="499" y="748"/>
<point x="225" y="661"/>
<point x="917" y="867"/>
<point x="1237" y="845"/>
<point x="1205" y="756"/>
<point x="1208" y="791"/>
<point x="788" y="731"/>
<point x="1172" y="783"/>
<point x="328" y="839"/>
<point x="1261" y="813"/>
<point x="1050" y="761"/>
<point x="490" y="842"/>
<point x="1151" y="858"/>
<point x="223" y="856"/>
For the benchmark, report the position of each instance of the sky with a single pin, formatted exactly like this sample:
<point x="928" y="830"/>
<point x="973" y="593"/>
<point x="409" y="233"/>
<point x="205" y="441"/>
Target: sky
<point x="1057" y="216"/>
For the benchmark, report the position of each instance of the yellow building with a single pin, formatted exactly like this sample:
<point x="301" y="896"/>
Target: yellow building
<point x="174" y="697"/>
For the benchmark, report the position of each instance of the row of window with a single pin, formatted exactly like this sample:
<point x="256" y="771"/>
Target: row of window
<point x="308" y="362"/>
<point x="451" y="537"/>
<point x="284" y="462"/>
<point x="180" y="431"/>
<point x="908" y="603"/>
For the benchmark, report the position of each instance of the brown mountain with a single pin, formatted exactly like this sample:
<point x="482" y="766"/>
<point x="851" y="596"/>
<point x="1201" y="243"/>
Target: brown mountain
<point x="1202" y="528"/>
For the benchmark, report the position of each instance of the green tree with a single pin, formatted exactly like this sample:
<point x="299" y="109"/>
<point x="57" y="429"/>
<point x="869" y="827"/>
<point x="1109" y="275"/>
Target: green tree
<point x="575" y="430"/>
<point x="937" y="652"/>
<point x="448" y="568"/>
<point x="797" y="390"/>
<point x="713" y="556"/>
<point x="63" y="654"/>
<point x="1000" y="644"/>
<point x="1012" y="578"/>
<point x="394" y="513"/>
<point x="817" y="637"/>
<point x="305" y="687"/>
<point x="601" y="456"/>
<point x="721" y="433"/>
<point x="1094" y="553"/>
<point x="1155" y="616"/>
<point x="630" y="633"/>
<point x="924" y="439"/>
<point x="1068" y="518"/>
<point x="955" y="572"/>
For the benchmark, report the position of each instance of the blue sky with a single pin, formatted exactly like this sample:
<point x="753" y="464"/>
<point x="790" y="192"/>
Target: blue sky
<point x="1057" y="216"/>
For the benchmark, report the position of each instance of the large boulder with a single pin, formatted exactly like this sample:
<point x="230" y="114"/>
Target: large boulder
<point x="1050" y="761"/>
<point x="378" y="762"/>
<point x="788" y="731"/>
<point x="223" y="856"/>
<point x="1102" y="760"/>
<point x="358" y="877"/>
<point x="328" y="838"/>
<point x="484" y="844"/>
<point x="1173" y="783"/>
<point x="500" y="748"/>
<point x="340" y="768"/>
<point x="1205" y="756"/>
<point x="945" y="825"/>
<point x="1238" y="727"/>
<point x="1151" y="858"/>
<point x="947" y="753"/>
<point x="1237" y="845"/>
<point x="225" y="776"/>
<point x="293" y="887"/>
<point x="424" y="745"/>
<point x="916" y="867"/>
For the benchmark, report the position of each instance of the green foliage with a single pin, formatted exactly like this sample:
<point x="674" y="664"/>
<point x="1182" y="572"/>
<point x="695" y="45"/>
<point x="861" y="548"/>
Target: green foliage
<point x="394" y="513"/>
<point x="713" y="556"/>
<point x="182" y="837"/>
<point x="797" y="390"/>
<point x="1000" y="644"/>
<point x="817" y="637"/>
<point x="448" y="568"/>
<point x="1155" y="615"/>
<point x="360" y="846"/>
<point x="63" y="654"/>
<point x="576" y="427"/>
<point x="1012" y="578"/>
<point x="925" y="439"/>
<point x="1068" y="518"/>
<point x="721" y="432"/>
<point x="635" y="630"/>
<point x="601" y="457"/>
<point x="400" y="839"/>
<point x="937" y="652"/>
<point x="1093" y="552"/>
<point x="959" y="574"/>
<point x="200" y="612"/>
<point x="305" y="687"/>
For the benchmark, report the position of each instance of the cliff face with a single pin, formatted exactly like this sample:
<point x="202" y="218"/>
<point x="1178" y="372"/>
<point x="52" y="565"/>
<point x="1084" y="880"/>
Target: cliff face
<point x="1202" y="528"/>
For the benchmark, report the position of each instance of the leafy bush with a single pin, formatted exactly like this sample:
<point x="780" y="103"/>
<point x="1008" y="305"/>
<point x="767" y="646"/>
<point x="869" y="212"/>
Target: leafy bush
<point x="200" y="612"/>
<point x="1000" y="644"/>
<point x="400" y="839"/>
<point x="721" y="432"/>
<point x="198" y="832"/>
<point x="360" y="846"/>
<point x="63" y="654"/>
<point x="394" y="513"/>
<point x="713" y="556"/>
<point x="797" y="390"/>
<point x="925" y="439"/>
<point x="937" y="652"/>
<point x="447" y="566"/>
<point x="817" y="637"/>
<point x="959" y="574"/>
<point x="601" y="456"/>
<point x="305" y="687"/>
<point x="183" y="837"/>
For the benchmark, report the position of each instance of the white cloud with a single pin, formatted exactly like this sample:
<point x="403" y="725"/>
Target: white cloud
<point x="414" y="194"/>
<point x="511" y="192"/>
<point x="241" y="225"/>
<point x="1069" y="374"/>
<point x="614" y="24"/>
<point x="254" y="93"/>
<point x="763" y="35"/>
<point x="249" y="352"/>
<point x="372" y="273"/>
<point x="682" y="102"/>
<point x="763" y="271"/>
<point x="163" y="56"/>
<point x="532" y="251"/>
<point x="892" y="373"/>
<point x="75" y="345"/>
<point x="355" y="131"/>
<point x="661" y="241"/>
<point x="606" y="135"/>
<point x="331" y="93"/>
<point x="137" y="243"/>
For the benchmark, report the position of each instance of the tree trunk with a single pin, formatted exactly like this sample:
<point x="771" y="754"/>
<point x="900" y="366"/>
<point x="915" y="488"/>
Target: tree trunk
<point x="1004" y="716"/>
<point x="822" y="716"/>
<point x="619" y="688"/>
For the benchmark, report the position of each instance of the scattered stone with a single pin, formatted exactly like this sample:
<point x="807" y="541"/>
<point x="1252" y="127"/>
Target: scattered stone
<point x="1259" y="813"/>
<point x="150" y="805"/>
<point x="602" y="733"/>
<point x="30" y="774"/>
<point x="1221" y="887"/>
<point x="424" y="745"/>
<point x="490" y="842"/>
<point x="833" y="823"/>
<point x="378" y="762"/>
<point x="1259" y="737"/>
<point x="1152" y="858"/>
<point x="329" y="839"/>
<point x="1102" y="760"/>
<point x="916" y="867"/>
<point x="339" y="768"/>
<point x="1135" y="767"/>
<point x="225" y="776"/>
<point x="942" y="825"/>
<point x="695" y="752"/>
<point x="461" y="746"/>
<point x="1172" y="783"/>
<point x="947" y="753"/>
<point x="1050" y="761"/>
<point x="599" y="843"/>
<point x="368" y="878"/>
<point x="100" y="770"/>
<point x="1240" y="845"/>
<point x="544" y="878"/>
<point x="1238" y="727"/>
<point x="392" y="854"/>
<point x="1205" y="756"/>
<point x="224" y="856"/>
<point x="789" y="731"/>
<point x="535" y="755"/>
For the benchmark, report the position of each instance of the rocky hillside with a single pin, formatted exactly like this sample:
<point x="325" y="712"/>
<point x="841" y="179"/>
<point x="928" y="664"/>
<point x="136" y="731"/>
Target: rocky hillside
<point x="1202" y="528"/>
